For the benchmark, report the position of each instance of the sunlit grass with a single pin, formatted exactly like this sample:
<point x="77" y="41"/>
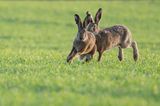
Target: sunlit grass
<point x="36" y="37"/>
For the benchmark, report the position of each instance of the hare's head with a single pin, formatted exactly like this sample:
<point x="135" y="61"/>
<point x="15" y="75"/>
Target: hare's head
<point x="81" y="34"/>
<point x="93" y="23"/>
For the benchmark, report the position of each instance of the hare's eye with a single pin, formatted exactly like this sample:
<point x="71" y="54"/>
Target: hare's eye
<point x="81" y="38"/>
<point x="94" y="28"/>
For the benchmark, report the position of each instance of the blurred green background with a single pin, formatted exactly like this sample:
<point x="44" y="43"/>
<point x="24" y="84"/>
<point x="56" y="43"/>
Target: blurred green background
<point x="36" y="37"/>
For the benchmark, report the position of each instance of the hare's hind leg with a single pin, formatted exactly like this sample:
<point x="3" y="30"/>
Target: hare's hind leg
<point x="89" y="56"/>
<point x="81" y="57"/>
<point x="100" y="55"/>
<point x="135" y="50"/>
<point x="120" y="54"/>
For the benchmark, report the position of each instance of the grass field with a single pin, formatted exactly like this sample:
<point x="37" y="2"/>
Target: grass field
<point x="36" y="37"/>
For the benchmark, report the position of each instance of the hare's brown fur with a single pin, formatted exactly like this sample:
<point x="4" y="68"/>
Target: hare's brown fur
<point x="84" y="43"/>
<point x="115" y="36"/>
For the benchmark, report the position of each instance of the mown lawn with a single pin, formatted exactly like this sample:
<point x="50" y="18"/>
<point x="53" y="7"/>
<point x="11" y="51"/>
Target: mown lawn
<point x="36" y="37"/>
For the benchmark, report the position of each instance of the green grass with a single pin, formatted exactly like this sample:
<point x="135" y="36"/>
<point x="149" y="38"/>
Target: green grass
<point x="36" y="37"/>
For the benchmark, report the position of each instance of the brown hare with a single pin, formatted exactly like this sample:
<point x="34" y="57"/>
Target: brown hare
<point x="115" y="36"/>
<point x="84" y="43"/>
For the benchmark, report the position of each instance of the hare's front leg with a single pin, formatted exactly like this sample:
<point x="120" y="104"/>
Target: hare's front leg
<point x="71" y="55"/>
<point x="135" y="50"/>
<point x="120" y="54"/>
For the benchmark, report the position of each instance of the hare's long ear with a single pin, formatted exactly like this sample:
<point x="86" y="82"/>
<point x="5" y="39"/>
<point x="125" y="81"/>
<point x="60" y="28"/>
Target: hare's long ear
<point x="98" y="16"/>
<point x="88" y="19"/>
<point x="78" y="21"/>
